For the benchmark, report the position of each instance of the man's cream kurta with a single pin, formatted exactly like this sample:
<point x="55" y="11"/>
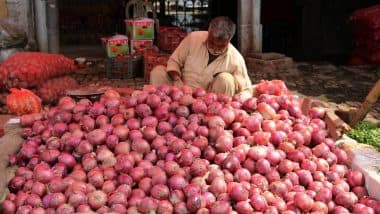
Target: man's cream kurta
<point x="190" y="60"/>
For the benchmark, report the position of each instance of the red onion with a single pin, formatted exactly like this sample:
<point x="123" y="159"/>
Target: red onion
<point x="50" y="155"/>
<point x="56" y="185"/>
<point x="16" y="183"/>
<point x="224" y="143"/>
<point x="77" y="198"/>
<point x="24" y="209"/>
<point x="296" y="156"/>
<point x="346" y="199"/>
<point x="303" y="201"/>
<point x="8" y="207"/>
<point x="117" y="119"/>
<point x="253" y="123"/>
<point x="67" y="159"/>
<point x="97" y="199"/>
<point x="130" y="101"/>
<point x="28" y="185"/>
<point x="33" y="200"/>
<point x="141" y="146"/>
<point x="84" y="147"/>
<point x="355" y="178"/>
<point x="199" y="106"/>
<point x="160" y="192"/>
<point x="263" y="166"/>
<point x="54" y="200"/>
<point x="87" y="123"/>
<point x="38" y="188"/>
<point x="128" y="113"/>
<point x="317" y="112"/>
<point x="95" y="177"/>
<point x="258" y="202"/>
<point x="42" y="173"/>
<point x="360" y="191"/>
<point x="146" y="205"/>
<point x="118" y="208"/>
<point x="97" y="137"/>
<point x="199" y="92"/>
<point x="101" y="120"/>
<point x="133" y="124"/>
<point x="117" y="198"/>
<point x="239" y="193"/>
<point x="108" y="186"/>
<point x="218" y="186"/>
<point x="220" y="207"/>
<point x="286" y="166"/>
<point x="243" y="207"/>
<point x="78" y="175"/>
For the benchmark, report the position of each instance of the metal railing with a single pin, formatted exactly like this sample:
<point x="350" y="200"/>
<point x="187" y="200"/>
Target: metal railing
<point x="188" y="14"/>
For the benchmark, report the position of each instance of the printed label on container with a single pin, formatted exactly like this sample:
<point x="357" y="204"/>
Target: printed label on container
<point x="141" y="44"/>
<point x="140" y="28"/>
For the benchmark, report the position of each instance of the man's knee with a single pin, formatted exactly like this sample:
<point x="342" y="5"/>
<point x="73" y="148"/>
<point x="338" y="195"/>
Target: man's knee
<point x="225" y="78"/>
<point x="158" y="75"/>
<point x="224" y="83"/>
<point x="159" y="70"/>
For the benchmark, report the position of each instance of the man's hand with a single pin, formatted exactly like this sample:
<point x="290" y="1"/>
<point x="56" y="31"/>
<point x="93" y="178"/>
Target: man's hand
<point x="174" y="75"/>
<point x="176" y="78"/>
<point x="178" y="83"/>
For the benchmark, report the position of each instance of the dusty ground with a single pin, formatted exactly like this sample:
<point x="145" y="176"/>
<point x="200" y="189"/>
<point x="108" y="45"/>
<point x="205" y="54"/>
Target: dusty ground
<point x="338" y="85"/>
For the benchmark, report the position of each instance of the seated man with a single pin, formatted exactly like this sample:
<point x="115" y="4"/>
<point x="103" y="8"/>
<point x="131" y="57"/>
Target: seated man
<point x="207" y="59"/>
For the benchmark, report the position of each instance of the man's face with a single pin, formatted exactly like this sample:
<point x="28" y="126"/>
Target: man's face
<point x="216" y="46"/>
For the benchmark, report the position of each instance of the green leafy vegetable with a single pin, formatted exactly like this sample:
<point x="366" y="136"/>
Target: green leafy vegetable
<point x="367" y="133"/>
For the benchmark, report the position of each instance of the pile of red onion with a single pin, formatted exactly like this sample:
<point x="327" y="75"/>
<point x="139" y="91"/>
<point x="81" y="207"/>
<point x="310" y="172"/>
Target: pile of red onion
<point x="170" y="150"/>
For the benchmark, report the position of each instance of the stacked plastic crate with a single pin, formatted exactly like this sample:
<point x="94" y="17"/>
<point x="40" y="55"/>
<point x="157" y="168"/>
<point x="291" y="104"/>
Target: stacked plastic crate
<point x="119" y="63"/>
<point x="141" y="33"/>
<point x="366" y="27"/>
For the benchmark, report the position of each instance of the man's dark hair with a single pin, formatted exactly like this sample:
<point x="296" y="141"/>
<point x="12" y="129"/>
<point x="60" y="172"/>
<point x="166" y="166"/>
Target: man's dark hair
<point x="222" y="27"/>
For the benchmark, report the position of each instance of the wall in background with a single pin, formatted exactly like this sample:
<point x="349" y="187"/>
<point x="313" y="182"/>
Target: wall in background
<point x="310" y="29"/>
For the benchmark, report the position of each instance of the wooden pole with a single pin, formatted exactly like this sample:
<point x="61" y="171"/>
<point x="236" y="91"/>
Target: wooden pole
<point x="3" y="9"/>
<point x="371" y="98"/>
<point x="257" y="28"/>
<point x="52" y="23"/>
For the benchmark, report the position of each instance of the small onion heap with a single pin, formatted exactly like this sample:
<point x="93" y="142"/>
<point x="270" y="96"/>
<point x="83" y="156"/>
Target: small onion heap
<point x="174" y="150"/>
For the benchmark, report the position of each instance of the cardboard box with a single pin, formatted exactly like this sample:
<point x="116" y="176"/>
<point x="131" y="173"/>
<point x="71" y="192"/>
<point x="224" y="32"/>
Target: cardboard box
<point x="140" y="28"/>
<point x="141" y="44"/>
<point x="116" y="46"/>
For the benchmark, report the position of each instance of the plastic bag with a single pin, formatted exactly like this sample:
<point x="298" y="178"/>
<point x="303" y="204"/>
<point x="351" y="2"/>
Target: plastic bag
<point x="6" y="53"/>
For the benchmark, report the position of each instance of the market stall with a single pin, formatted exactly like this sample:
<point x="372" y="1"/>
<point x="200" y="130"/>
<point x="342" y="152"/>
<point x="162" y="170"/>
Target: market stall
<point x="181" y="150"/>
<point x="80" y="148"/>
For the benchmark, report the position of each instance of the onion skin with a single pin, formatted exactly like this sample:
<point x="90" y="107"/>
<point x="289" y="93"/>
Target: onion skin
<point x="8" y="207"/>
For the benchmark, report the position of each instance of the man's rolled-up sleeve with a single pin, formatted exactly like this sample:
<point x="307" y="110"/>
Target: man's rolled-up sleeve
<point x="243" y="82"/>
<point x="178" y="57"/>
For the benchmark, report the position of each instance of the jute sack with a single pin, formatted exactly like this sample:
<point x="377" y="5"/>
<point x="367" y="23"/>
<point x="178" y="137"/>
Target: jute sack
<point x="10" y="143"/>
